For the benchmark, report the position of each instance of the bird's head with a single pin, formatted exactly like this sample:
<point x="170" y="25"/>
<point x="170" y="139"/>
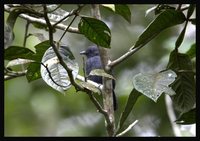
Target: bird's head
<point x="91" y="51"/>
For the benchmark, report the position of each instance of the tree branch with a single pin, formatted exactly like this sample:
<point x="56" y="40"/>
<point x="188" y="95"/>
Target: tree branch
<point x="107" y="83"/>
<point x="69" y="71"/>
<point x="131" y="51"/>
<point x="14" y="75"/>
<point x="127" y="129"/>
<point x="43" y="22"/>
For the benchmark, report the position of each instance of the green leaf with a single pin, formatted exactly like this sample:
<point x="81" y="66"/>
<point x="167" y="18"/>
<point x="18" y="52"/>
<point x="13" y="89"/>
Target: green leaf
<point x="33" y="72"/>
<point x="180" y="37"/>
<point x="184" y="86"/>
<point x="124" y="11"/>
<point x="192" y="51"/>
<point x="165" y="20"/>
<point x="14" y="52"/>
<point x="133" y="97"/>
<point x="101" y="72"/>
<point x="40" y="50"/>
<point x="96" y="31"/>
<point x="190" y="10"/>
<point x="187" y="118"/>
<point x="120" y="9"/>
<point x="193" y="21"/>
<point x="162" y="7"/>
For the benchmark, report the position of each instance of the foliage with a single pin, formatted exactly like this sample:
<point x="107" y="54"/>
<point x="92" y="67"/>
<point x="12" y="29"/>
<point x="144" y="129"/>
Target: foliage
<point x="177" y="79"/>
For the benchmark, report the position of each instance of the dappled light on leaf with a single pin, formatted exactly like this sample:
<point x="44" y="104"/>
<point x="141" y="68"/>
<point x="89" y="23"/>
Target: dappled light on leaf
<point x="153" y="85"/>
<point x="54" y="73"/>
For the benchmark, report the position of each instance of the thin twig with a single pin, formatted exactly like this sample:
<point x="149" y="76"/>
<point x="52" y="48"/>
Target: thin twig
<point x="131" y="51"/>
<point x="26" y="33"/>
<point x="67" y="28"/>
<point x="172" y="116"/>
<point x="179" y="7"/>
<point x="99" y="107"/>
<point x="127" y="129"/>
<point x="184" y="8"/>
<point x="75" y="12"/>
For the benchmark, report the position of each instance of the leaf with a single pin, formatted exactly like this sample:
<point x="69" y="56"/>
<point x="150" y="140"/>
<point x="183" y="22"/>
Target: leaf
<point x="124" y="11"/>
<point x="184" y="86"/>
<point x="58" y="14"/>
<point x="162" y="7"/>
<point x="96" y="31"/>
<point x="40" y="36"/>
<point x="90" y="87"/>
<point x="40" y="50"/>
<point x="8" y="36"/>
<point x="150" y="10"/>
<point x="109" y="6"/>
<point x="33" y="72"/>
<point x="120" y="9"/>
<point x="193" y="21"/>
<point x="101" y="72"/>
<point x="53" y="72"/>
<point x="187" y="118"/>
<point x="165" y="20"/>
<point x="153" y="85"/>
<point x="180" y="37"/>
<point x="133" y="97"/>
<point x="17" y="62"/>
<point x="14" y="52"/>
<point x="192" y="51"/>
<point x="190" y="10"/>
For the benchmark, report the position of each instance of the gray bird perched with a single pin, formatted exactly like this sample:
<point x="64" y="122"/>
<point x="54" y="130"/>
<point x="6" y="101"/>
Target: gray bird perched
<point x="94" y="62"/>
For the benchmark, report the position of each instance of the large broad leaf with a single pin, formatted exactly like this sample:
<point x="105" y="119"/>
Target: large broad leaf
<point x="166" y="19"/>
<point x="180" y="37"/>
<point x="120" y="9"/>
<point x="192" y="51"/>
<point x="153" y="85"/>
<point x="185" y="85"/>
<point x="188" y="117"/>
<point x="96" y="31"/>
<point x="14" y="52"/>
<point x="133" y="97"/>
<point x="124" y="11"/>
<point x="53" y="73"/>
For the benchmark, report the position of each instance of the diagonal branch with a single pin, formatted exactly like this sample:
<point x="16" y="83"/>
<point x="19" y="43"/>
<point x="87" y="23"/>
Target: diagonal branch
<point x="42" y="21"/>
<point x="69" y="71"/>
<point x="125" y="56"/>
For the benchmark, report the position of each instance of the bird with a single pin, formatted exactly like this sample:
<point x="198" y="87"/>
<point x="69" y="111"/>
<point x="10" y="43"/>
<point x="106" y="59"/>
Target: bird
<point x="93" y="61"/>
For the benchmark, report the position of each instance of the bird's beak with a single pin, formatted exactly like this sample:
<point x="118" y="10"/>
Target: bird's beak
<point x="83" y="52"/>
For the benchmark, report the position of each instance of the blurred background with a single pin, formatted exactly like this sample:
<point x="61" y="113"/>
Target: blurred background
<point x="35" y="109"/>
